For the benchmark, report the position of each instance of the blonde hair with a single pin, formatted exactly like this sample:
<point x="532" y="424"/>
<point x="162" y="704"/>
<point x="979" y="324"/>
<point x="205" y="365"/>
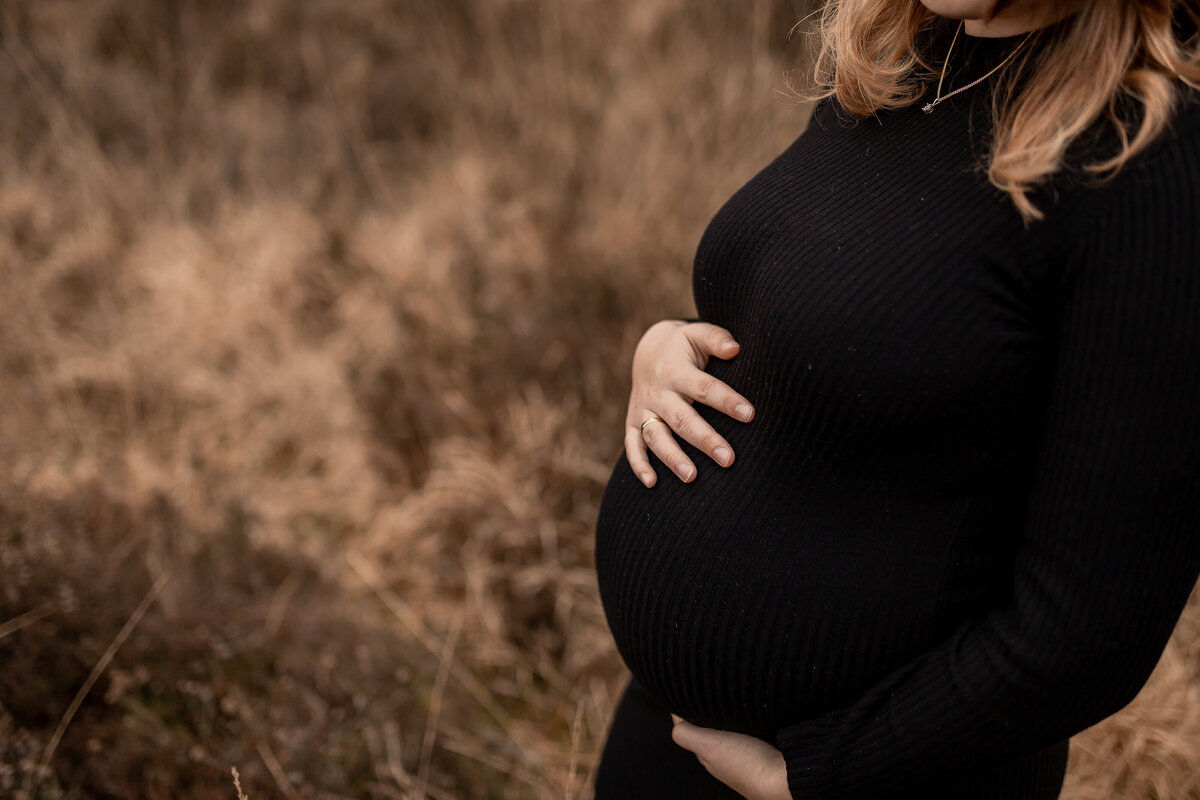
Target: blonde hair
<point x="869" y="61"/>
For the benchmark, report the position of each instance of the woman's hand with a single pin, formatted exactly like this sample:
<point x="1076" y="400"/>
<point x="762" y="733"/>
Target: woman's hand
<point x="668" y="375"/>
<point x="749" y="766"/>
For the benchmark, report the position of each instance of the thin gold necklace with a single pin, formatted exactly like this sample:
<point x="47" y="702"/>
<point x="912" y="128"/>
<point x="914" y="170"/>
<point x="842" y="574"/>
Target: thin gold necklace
<point x="937" y="98"/>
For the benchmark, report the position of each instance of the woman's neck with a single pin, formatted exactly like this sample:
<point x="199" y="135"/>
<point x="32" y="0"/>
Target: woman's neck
<point x="1021" y="17"/>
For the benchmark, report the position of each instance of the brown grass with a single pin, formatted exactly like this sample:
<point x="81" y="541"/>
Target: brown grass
<point x="324" y="309"/>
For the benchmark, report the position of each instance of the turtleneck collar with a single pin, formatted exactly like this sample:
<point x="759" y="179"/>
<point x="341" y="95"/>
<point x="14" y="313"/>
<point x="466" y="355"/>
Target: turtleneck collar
<point x="974" y="56"/>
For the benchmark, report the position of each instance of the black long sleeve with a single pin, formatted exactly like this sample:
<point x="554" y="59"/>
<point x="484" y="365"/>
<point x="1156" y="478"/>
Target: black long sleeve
<point x="1110" y="545"/>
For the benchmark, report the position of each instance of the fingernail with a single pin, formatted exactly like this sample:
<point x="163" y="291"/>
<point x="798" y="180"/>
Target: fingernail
<point x="723" y="455"/>
<point x="676" y="719"/>
<point x="647" y="478"/>
<point x="728" y="343"/>
<point x="684" y="471"/>
<point x="743" y="412"/>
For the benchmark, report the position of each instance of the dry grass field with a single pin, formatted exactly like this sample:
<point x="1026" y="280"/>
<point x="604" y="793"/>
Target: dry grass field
<point x="314" y="338"/>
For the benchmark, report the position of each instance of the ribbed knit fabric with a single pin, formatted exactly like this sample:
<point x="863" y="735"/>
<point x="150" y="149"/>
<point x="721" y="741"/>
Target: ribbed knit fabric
<point x="966" y="517"/>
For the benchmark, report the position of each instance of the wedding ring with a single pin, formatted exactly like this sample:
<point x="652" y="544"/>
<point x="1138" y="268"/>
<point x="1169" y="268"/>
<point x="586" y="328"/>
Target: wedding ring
<point x="651" y="419"/>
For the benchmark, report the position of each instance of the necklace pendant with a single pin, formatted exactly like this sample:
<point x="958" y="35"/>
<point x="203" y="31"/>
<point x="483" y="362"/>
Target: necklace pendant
<point x="927" y="108"/>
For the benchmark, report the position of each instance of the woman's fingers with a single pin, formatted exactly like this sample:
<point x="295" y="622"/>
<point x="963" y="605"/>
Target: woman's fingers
<point x="707" y="339"/>
<point x="668" y="374"/>
<point x="635" y="452"/>
<point x="658" y="437"/>
<point x="698" y="385"/>
<point x="684" y="420"/>
<point x="710" y="340"/>
<point x="704" y="388"/>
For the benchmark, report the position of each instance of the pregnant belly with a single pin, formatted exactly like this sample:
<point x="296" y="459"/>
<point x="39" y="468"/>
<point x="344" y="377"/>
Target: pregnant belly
<point x="745" y="601"/>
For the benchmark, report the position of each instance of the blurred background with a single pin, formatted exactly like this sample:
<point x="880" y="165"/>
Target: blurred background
<point x="315" y="333"/>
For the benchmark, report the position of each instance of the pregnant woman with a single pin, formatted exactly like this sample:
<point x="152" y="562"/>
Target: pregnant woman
<point x="948" y="370"/>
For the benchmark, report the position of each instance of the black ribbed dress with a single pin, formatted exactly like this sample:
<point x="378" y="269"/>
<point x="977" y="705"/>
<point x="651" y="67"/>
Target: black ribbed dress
<point x="966" y="517"/>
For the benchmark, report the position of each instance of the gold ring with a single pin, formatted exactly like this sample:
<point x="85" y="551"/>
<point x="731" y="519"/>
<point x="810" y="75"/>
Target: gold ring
<point x="652" y="419"/>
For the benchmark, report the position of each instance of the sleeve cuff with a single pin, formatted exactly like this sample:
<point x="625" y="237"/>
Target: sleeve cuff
<point x="811" y="754"/>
